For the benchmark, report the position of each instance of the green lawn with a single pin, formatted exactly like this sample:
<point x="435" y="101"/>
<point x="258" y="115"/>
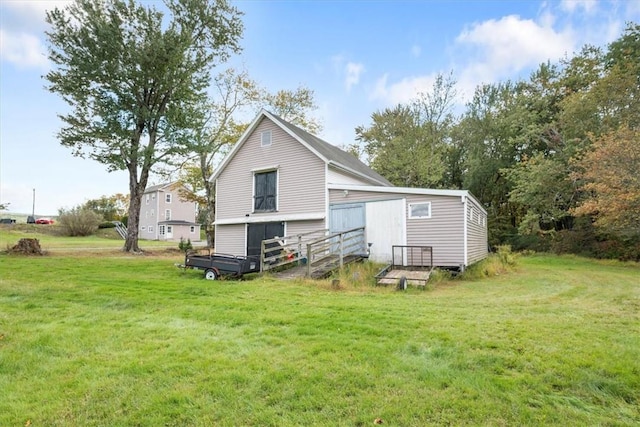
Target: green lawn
<point x="132" y="340"/>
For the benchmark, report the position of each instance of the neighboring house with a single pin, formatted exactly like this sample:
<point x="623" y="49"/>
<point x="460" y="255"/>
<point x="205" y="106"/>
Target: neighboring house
<point x="279" y="180"/>
<point x="163" y="216"/>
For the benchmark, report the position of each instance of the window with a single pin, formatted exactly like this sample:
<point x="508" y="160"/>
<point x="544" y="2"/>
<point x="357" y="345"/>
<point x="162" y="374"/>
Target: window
<point x="420" y="210"/>
<point x="153" y="211"/>
<point x="153" y="196"/>
<point x="471" y="212"/>
<point x="167" y="198"/>
<point x="167" y="214"/>
<point x="265" y="191"/>
<point x="144" y="228"/>
<point x="161" y="229"/>
<point x="150" y="229"/>
<point x="169" y="229"/>
<point x="265" y="138"/>
<point x="192" y="229"/>
<point x="147" y="200"/>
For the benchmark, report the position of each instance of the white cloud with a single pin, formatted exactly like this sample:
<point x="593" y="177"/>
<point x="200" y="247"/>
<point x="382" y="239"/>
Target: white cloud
<point x="487" y="52"/>
<point x="512" y="44"/>
<point x="571" y="6"/>
<point x="23" y="50"/>
<point x="403" y="91"/>
<point x="353" y="71"/>
<point x="416" y="50"/>
<point x="32" y="13"/>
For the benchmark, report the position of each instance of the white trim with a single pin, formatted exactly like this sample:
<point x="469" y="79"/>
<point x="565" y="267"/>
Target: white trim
<point x="408" y="190"/>
<point x="271" y="218"/>
<point x="466" y="232"/>
<point x="409" y="205"/>
<point x="265" y="169"/>
<point x="353" y="172"/>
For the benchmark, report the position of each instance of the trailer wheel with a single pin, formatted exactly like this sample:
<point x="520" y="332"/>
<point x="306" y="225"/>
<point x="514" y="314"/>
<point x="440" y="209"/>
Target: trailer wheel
<point x="211" y="274"/>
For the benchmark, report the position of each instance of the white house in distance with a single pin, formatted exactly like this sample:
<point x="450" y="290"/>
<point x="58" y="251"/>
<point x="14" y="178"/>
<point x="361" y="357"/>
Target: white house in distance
<point x="279" y="180"/>
<point x="163" y="216"/>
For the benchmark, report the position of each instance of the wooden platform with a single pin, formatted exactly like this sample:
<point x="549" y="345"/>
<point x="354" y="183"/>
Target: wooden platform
<point x="414" y="277"/>
<point x="321" y="271"/>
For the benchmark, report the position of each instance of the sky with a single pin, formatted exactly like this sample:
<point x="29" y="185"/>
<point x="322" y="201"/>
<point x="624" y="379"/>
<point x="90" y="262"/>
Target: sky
<point x="358" y="56"/>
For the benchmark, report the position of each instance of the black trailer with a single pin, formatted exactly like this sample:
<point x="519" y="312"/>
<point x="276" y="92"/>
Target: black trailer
<point x="217" y="265"/>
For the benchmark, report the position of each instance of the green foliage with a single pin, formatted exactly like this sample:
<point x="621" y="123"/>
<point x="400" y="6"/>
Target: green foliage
<point x="134" y="81"/>
<point x="185" y="246"/>
<point x="78" y="221"/>
<point x="104" y="225"/>
<point x="111" y="208"/>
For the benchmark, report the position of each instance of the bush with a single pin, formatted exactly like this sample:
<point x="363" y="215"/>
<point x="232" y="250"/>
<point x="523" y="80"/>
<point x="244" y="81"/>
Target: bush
<point x="185" y="246"/>
<point x="78" y="221"/>
<point x="106" y="225"/>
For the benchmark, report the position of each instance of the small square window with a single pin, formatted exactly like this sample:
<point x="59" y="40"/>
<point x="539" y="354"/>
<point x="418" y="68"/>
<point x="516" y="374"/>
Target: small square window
<point x="420" y="210"/>
<point x="144" y="228"/>
<point x="265" y="138"/>
<point x="147" y="199"/>
<point x="167" y="198"/>
<point x="192" y="229"/>
<point x="151" y="229"/>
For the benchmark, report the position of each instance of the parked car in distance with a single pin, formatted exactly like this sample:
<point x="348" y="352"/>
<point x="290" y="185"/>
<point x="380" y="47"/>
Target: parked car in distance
<point x="44" y="221"/>
<point x="7" y="221"/>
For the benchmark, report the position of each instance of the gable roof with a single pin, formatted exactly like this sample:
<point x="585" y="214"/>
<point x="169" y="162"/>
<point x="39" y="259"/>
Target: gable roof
<point x="159" y="187"/>
<point x="329" y="153"/>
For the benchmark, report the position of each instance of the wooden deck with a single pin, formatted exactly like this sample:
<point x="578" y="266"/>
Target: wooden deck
<point x="325" y="269"/>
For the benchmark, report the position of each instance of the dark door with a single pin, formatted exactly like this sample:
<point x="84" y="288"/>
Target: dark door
<point x="256" y="233"/>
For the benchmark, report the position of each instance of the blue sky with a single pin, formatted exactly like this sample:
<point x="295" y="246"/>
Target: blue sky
<point x="358" y="56"/>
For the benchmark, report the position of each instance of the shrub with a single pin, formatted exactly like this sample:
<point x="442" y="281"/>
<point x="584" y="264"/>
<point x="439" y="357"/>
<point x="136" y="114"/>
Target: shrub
<point x="106" y="225"/>
<point x="185" y="246"/>
<point x="78" y="221"/>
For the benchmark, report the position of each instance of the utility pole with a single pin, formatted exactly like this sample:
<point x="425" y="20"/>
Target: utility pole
<point x="33" y="208"/>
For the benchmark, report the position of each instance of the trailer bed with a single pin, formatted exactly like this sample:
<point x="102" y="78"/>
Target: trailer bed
<point x="218" y="265"/>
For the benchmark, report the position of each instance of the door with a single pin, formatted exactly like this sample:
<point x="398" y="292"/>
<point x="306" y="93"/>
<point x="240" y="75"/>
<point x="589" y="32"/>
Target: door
<point x="169" y="232"/>
<point x="256" y="233"/>
<point x="346" y="217"/>
<point x="386" y="227"/>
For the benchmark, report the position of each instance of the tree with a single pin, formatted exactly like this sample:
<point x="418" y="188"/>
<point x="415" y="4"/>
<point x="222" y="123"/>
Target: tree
<point x="134" y="82"/>
<point x="4" y="206"/>
<point x="408" y="144"/>
<point x="110" y="208"/>
<point x="213" y="136"/>
<point x="609" y="172"/>
<point x="296" y="107"/>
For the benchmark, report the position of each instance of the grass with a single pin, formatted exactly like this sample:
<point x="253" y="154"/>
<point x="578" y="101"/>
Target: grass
<point x="51" y="241"/>
<point x="132" y="340"/>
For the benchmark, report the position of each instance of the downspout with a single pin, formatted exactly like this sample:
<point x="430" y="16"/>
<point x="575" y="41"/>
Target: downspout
<point x="464" y="203"/>
<point x="157" y="227"/>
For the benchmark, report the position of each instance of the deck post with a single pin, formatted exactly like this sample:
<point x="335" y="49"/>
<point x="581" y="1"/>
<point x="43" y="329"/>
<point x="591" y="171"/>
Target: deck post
<point x="341" y="250"/>
<point x="308" y="260"/>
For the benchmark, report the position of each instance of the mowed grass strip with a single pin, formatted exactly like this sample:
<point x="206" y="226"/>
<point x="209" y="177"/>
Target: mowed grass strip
<point x="123" y="341"/>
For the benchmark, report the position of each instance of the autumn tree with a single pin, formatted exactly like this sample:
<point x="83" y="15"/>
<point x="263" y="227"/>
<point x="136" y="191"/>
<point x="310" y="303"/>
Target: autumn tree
<point x="110" y="208"/>
<point x="609" y="172"/>
<point x="134" y="81"/>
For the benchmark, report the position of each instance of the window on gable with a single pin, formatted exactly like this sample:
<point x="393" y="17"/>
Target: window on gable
<point x="420" y="210"/>
<point x="265" y="191"/>
<point x="265" y="138"/>
<point x="167" y="198"/>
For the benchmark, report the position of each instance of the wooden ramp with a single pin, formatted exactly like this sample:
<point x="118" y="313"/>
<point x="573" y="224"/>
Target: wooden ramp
<point x="414" y="277"/>
<point x="328" y="266"/>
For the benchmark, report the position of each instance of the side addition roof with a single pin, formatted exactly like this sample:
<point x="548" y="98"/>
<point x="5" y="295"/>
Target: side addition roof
<point x="329" y="153"/>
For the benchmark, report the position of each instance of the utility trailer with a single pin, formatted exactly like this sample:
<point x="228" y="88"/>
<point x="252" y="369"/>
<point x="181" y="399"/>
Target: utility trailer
<point x="218" y="265"/>
<point x="410" y="265"/>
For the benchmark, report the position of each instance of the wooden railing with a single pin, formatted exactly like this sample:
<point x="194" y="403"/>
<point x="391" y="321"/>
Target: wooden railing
<point x="332" y="251"/>
<point x="412" y="256"/>
<point x="282" y="251"/>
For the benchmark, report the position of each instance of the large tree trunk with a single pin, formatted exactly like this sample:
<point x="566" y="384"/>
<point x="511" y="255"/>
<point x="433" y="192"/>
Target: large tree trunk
<point x="211" y="214"/>
<point x="133" y="225"/>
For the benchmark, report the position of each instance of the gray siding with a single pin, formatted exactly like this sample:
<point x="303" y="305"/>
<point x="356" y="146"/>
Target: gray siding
<point x="231" y="239"/>
<point x="293" y="228"/>
<point x="444" y="231"/>
<point x="476" y="233"/>
<point x="153" y="209"/>
<point x="301" y="176"/>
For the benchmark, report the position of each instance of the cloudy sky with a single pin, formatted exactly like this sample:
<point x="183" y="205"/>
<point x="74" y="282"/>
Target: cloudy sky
<point x="359" y="56"/>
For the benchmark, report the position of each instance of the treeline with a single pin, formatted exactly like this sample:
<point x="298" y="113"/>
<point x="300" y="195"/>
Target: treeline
<point x="555" y="159"/>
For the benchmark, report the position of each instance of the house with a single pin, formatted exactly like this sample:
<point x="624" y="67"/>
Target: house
<point x="164" y="216"/>
<point x="279" y="180"/>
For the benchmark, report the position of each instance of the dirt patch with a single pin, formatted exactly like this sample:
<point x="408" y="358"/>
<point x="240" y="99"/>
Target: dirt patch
<point x="27" y="247"/>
